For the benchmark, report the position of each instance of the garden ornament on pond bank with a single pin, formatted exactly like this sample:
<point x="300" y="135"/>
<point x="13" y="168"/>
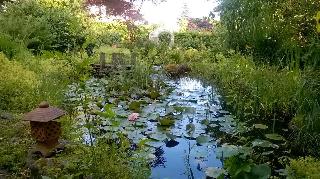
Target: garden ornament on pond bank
<point x="44" y="128"/>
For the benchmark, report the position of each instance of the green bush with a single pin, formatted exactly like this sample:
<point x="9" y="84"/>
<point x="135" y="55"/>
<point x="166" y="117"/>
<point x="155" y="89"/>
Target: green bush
<point x="105" y="160"/>
<point x="195" y="40"/>
<point x="9" y="47"/>
<point x="164" y="38"/>
<point x="102" y="34"/>
<point x="45" y="25"/>
<point x="26" y="83"/>
<point x="307" y="167"/>
<point x="252" y="91"/>
<point x="280" y="32"/>
<point x="192" y="55"/>
<point x="14" y="142"/>
<point x="18" y="85"/>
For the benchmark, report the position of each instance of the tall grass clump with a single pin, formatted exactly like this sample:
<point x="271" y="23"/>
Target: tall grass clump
<point x="279" y="97"/>
<point x="254" y="92"/>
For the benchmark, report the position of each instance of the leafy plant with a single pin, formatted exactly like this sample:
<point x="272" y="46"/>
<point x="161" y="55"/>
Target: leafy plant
<point x="307" y="167"/>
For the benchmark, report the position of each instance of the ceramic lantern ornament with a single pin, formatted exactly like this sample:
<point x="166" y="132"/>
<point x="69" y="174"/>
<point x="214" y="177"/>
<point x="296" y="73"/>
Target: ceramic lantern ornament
<point x="44" y="127"/>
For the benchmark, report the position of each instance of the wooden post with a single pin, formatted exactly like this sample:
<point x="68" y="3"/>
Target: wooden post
<point x="102" y="61"/>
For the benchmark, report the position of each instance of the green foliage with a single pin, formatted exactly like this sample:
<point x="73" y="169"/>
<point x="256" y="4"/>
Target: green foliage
<point x="27" y="83"/>
<point x="273" y="96"/>
<point x="195" y="40"/>
<point x="254" y="91"/>
<point x="102" y="34"/>
<point x="165" y="38"/>
<point x="278" y="32"/>
<point x="239" y="168"/>
<point x="307" y="167"/>
<point x="45" y="25"/>
<point x="18" y="85"/>
<point x="9" y="47"/>
<point x="104" y="160"/>
<point x="14" y="142"/>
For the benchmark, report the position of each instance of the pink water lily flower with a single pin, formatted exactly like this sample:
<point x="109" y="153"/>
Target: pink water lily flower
<point x="133" y="117"/>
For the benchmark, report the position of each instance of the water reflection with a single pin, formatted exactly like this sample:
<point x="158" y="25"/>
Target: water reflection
<point x="184" y="158"/>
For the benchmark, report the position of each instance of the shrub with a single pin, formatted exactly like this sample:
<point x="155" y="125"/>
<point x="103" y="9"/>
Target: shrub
<point x="8" y="46"/>
<point x="255" y="91"/>
<point x="165" y="38"/>
<point x="304" y="168"/>
<point x="192" y="55"/>
<point x="58" y="25"/>
<point x="18" y="86"/>
<point x="14" y="142"/>
<point x="281" y="32"/>
<point x="195" y="40"/>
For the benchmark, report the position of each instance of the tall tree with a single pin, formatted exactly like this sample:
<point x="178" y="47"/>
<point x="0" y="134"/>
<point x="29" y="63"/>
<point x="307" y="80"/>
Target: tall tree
<point x="124" y="8"/>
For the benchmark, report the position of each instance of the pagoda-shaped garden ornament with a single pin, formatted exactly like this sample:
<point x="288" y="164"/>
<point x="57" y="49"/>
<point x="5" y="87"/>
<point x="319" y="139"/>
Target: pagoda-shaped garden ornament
<point x="45" y="128"/>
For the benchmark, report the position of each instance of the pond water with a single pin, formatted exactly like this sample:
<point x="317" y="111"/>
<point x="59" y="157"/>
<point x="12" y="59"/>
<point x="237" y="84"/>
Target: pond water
<point x="187" y="159"/>
<point x="183" y="149"/>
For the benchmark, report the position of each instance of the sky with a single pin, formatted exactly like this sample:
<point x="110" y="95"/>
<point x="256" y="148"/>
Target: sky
<point x="167" y="13"/>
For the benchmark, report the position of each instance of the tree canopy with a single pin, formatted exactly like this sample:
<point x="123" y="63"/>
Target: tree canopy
<point x="124" y="8"/>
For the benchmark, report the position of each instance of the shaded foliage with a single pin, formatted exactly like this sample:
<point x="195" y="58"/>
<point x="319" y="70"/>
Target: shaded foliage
<point x="278" y="32"/>
<point x="45" y="25"/>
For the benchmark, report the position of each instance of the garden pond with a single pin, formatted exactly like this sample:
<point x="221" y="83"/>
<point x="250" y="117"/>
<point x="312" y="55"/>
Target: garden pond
<point x="177" y="129"/>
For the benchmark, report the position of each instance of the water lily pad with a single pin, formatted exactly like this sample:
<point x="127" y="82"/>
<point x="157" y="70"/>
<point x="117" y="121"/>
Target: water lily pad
<point x="171" y="136"/>
<point x="264" y="144"/>
<point x="213" y="125"/>
<point x="267" y="153"/>
<point x="224" y="112"/>
<point x="139" y="124"/>
<point x="135" y="106"/>
<point x="143" y="142"/>
<point x="153" y="117"/>
<point x="260" y="126"/>
<point x="205" y="122"/>
<point x="154" y="144"/>
<point x="135" y="136"/>
<point x="158" y="136"/>
<point x="166" y="121"/>
<point x="276" y="137"/>
<point x="202" y="139"/>
<point x="226" y="151"/>
<point x="151" y="157"/>
<point x="190" y="128"/>
<point x="215" y="172"/>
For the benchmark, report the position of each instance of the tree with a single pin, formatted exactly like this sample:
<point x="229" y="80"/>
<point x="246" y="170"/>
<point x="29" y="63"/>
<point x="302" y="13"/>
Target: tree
<point x="124" y="8"/>
<point x="279" y="32"/>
